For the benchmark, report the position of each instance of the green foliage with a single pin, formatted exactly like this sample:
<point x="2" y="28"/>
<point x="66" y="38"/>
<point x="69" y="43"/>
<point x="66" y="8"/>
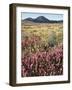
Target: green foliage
<point x="52" y="39"/>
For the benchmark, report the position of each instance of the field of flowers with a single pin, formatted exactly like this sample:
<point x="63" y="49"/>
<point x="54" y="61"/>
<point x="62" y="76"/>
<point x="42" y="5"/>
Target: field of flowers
<point x="42" y="49"/>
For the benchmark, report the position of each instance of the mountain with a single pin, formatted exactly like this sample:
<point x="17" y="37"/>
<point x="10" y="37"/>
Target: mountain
<point x="42" y="19"/>
<point x="29" y="19"/>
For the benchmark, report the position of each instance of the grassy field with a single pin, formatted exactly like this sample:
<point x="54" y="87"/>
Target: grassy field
<point x="45" y="31"/>
<point x="41" y="42"/>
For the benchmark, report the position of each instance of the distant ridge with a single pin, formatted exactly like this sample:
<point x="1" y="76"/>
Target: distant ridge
<point x="42" y="19"/>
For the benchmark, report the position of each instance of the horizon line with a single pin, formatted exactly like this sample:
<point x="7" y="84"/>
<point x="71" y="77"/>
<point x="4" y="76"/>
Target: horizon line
<point x="49" y="16"/>
<point x="43" y="16"/>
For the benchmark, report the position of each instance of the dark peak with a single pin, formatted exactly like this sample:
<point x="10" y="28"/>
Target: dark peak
<point x="30" y="19"/>
<point x="41" y="19"/>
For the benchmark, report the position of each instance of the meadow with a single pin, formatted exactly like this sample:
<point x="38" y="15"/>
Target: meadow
<point x="41" y="49"/>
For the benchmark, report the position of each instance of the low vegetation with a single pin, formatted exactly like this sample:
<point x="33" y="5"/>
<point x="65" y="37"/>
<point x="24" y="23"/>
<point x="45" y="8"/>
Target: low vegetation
<point x="42" y="49"/>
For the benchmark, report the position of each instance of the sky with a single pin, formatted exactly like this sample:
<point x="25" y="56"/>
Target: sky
<point x="50" y="16"/>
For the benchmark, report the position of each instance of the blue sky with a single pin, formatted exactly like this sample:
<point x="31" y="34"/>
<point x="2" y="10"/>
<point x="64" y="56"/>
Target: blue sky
<point x="47" y="15"/>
